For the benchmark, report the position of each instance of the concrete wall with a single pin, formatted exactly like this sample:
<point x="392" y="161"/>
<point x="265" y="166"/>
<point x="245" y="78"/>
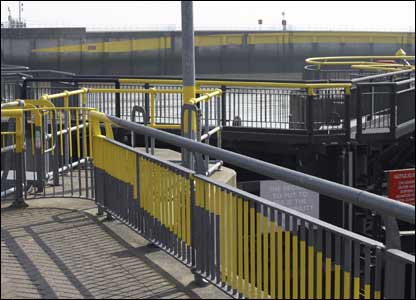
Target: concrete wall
<point x="159" y="53"/>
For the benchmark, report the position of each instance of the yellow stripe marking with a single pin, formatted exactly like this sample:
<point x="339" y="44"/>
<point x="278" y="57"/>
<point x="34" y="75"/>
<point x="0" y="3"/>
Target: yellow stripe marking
<point x="252" y="252"/>
<point x="246" y="257"/>
<point x="302" y="269"/>
<point x="272" y="259"/>
<point x="295" y="288"/>
<point x="188" y="211"/>
<point x="328" y="278"/>
<point x="234" y="238"/>
<point x="367" y="291"/>
<point x="258" y="251"/>
<point x="229" y="238"/>
<point x="356" y="287"/>
<point x="240" y="244"/>
<point x="223" y="224"/>
<point x="145" y="44"/>
<point x="347" y="285"/>
<point x="318" y="275"/>
<point x="287" y="264"/>
<point x="337" y="284"/>
<point x="311" y="272"/>
<point x="265" y="257"/>
<point x="235" y="242"/>
<point x="279" y="262"/>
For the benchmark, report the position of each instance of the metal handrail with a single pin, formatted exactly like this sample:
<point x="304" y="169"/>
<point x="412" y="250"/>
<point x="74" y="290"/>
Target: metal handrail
<point x="351" y="195"/>
<point x="310" y="87"/>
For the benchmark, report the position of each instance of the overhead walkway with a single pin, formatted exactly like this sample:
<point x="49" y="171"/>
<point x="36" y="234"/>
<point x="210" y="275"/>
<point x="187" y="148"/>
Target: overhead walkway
<point x="243" y="244"/>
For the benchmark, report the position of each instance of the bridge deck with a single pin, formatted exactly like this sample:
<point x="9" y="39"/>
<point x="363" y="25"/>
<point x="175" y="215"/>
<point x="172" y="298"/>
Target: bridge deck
<point x="57" y="248"/>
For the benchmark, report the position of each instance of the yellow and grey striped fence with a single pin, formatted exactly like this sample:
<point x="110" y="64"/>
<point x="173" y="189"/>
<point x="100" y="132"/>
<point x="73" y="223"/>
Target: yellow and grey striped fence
<point x="246" y="245"/>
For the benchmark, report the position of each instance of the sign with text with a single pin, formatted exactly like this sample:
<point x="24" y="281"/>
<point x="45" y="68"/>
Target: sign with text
<point x="291" y="196"/>
<point x="401" y="185"/>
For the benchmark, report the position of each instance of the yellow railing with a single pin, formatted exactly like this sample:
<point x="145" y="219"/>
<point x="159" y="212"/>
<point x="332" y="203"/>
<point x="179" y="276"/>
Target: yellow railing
<point x="365" y="62"/>
<point x="153" y="92"/>
<point x="44" y="107"/>
<point x="16" y="114"/>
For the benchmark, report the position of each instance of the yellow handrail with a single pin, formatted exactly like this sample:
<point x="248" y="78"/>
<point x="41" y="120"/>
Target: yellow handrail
<point x="330" y="59"/>
<point x="206" y="97"/>
<point x="17" y="114"/>
<point x="64" y="94"/>
<point x="365" y="62"/>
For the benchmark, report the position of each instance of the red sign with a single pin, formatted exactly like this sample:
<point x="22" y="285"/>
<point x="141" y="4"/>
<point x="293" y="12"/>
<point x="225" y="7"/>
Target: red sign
<point x="402" y="185"/>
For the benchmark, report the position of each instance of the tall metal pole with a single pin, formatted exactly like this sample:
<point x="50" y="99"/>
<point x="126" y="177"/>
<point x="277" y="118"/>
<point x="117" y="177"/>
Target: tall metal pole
<point x="188" y="51"/>
<point x="189" y="117"/>
<point x="188" y="70"/>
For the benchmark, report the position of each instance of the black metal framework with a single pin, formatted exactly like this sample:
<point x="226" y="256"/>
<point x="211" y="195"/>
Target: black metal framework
<point x="330" y="115"/>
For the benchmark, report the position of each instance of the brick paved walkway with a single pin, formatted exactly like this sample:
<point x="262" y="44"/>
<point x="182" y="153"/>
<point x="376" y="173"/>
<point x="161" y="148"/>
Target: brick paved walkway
<point x="61" y="253"/>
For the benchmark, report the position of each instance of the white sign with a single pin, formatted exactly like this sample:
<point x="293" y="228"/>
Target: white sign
<point x="291" y="196"/>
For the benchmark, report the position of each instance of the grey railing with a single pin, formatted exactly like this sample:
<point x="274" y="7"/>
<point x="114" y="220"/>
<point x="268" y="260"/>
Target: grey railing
<point x="229" y="229"/>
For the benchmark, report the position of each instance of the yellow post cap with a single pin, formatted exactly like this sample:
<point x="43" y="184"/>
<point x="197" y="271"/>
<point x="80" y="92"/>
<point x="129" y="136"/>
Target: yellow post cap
<point x="400" y="52"/>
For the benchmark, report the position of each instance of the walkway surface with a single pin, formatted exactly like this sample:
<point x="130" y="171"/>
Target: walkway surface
<point x="58" y="248"/>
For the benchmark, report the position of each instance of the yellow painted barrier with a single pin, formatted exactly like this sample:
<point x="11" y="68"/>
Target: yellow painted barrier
<point x="365" y="62"/>
<point x="16" y="114"/>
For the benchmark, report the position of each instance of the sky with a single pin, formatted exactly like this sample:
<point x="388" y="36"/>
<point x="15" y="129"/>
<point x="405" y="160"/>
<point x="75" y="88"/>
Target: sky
<point x="348" y="15"/>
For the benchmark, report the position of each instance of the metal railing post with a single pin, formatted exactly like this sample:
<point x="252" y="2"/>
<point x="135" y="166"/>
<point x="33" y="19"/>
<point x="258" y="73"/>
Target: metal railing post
<point x="23" y="90"/>
<point x="309" y="116"/>
<point x="117" y="99"/>
<point x="347" y="120"/>
<point x="39" y="156"/>
<point x="394" y="278"/>
<point x="194" y="233"/>
<point x="55" y="155"/>
<point x="393" y="103"/>
<point x="19" y="116"/>
<point x="358" y="116"/>
<point x="139" y="109"/>
<point x="147" y="103"/>
<point x="223" y="106"/>
<point x="206" y="131"/>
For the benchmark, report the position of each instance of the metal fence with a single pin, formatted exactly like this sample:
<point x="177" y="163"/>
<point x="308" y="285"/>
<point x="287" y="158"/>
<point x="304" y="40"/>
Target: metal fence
<point x="357" y="110"/>
<point x="9" y="157"/>
<point x="303" y="107"/>
<point x="385" y="108"/>
<point x="313" y="72"/>
<point x="10" y="89"/>
<point x="246" y="245"/>
<point x="55" y="160"/>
